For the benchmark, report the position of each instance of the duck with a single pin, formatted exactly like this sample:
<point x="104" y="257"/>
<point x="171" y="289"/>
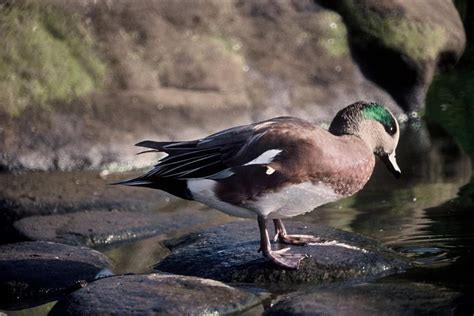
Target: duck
<point x="277" y="168"/>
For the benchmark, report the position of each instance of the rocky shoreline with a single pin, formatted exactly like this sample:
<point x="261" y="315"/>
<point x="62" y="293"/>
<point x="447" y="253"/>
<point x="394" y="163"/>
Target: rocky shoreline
<point x="208" y="263"/>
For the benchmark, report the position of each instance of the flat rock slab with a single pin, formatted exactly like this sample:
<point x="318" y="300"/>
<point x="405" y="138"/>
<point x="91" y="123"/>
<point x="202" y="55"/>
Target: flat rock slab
<point x="46" y="193"/>
<point x="229" y="253"/>
<point x="163" y="294"/>
<point x="32" y="273"/>
<point x="375" y="299"/>
<point x="94" y="228"/>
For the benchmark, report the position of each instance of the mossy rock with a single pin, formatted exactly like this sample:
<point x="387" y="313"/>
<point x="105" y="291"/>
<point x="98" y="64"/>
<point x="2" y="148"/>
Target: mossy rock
<point x="47" y="55"/>
<point x="334" y="38"/>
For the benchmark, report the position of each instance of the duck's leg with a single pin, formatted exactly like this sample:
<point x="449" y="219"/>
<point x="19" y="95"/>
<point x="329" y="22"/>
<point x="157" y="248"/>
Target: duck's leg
<point x="282" y="236"/>
<point x="279" y="257"/>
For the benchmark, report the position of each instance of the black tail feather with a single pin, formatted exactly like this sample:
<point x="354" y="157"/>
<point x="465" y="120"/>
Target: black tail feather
<point x="178" y="188"/>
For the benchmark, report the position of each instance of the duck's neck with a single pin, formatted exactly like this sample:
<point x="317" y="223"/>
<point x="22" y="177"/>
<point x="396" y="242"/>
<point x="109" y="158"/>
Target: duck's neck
<point x="363" y="129"/>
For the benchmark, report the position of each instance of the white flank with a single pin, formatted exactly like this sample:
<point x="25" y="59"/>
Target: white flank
<point x="293" y="200"/>
<point x="337" y="244"/>
<point x="265" y="158"/>
<point x="202" y="191"/>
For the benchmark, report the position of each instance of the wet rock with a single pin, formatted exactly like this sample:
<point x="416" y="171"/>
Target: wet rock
<point x="229" y="253"/>
<point x="375" y="299"/>
<point x="32" y="273"/>
<point x="154" y="294"/>
<point x="94" y="228"/>
<point x="36" y="193"/>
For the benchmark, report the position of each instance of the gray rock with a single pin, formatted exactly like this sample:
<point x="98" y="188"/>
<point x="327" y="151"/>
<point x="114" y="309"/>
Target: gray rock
<point x="374" y="299"/>
<point x="93" y="228"/>
<point x="155" y="293"/>
<point x="29" y="194"/>
<point x="229" y="253"/>
<point x="32" y="273"/>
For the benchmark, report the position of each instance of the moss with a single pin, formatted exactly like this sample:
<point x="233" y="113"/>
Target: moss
<point x="415" y="39"/>
<point x="46" y="56"/>
<point x="334" y="34"/>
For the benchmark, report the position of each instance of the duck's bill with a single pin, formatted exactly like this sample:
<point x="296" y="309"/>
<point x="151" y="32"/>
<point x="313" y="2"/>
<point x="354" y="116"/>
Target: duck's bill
<point x="391" y="163"/>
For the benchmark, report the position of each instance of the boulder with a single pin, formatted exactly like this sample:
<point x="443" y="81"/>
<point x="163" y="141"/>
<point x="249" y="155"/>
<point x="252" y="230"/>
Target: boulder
<point x="228" y="253"/>
<point x="155" y="294"/>
<point x="375" y="299"/>
<point x="32" y="273"/>
<point x="401" y="45"/>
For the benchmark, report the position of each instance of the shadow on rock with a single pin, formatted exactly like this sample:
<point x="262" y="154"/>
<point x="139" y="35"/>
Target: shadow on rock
<point x="229" y="253"/>
<point x="33" y="273"/>
<point x="374" y="299"/>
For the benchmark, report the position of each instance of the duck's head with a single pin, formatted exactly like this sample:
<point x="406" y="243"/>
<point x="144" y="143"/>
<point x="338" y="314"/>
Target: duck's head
<point x="375" y="125"/>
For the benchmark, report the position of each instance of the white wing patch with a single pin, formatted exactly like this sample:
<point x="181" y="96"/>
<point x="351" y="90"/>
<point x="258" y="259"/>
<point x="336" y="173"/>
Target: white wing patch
<point x="265" y="158"/>
<point x="270" y="170"/>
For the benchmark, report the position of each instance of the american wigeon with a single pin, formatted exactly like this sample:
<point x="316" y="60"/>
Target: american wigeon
<point x="277" y="168"/>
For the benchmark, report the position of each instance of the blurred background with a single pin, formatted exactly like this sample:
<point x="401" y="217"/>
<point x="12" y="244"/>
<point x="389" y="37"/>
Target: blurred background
<point x="82" y="81"/>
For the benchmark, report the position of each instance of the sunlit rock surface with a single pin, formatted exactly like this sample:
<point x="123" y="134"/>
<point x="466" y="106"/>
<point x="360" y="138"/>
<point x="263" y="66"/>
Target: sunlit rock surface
<point x="229" y="253"/>
<point x="36" y="272"/>
<point x="155" y="294"/>
<point x="375" y="299"/>
<point x="180" y="69"/>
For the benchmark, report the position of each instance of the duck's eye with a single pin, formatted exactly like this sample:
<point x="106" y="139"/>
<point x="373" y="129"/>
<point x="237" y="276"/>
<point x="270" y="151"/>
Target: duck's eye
<point x="391" y="130"/>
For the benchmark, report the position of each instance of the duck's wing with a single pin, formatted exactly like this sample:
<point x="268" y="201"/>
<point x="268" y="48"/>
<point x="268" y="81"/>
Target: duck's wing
<point x="214" y="156"/>
<point x="207" y="158"/>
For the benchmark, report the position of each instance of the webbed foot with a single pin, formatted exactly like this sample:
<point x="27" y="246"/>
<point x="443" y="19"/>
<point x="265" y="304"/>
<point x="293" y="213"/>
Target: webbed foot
<point x="284" y="259"/>
<point x="282" y="236"/>
<point x="297" y="239"/>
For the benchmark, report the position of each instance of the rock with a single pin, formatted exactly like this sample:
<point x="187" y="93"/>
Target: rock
<point x="155" y="293"/>
<point x="375" y="299"/>
<point x="182" y="74"/>
<point x="29" y="194"/>
<point x="32" y="273"/>
<point x="400" y="45"/>
<point x="229" y="253"/>
<point x="94" y="228"/>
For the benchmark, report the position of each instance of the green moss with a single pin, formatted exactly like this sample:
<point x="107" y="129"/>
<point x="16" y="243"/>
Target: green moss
<point x="417" y="40"/>
<point x="45" y="56"/>
<point x="334" y="34"/>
